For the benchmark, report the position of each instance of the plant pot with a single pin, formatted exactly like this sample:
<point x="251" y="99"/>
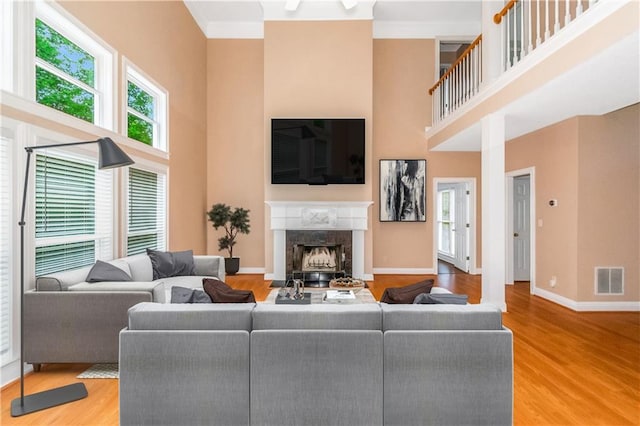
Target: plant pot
<point x="231" y="265"/>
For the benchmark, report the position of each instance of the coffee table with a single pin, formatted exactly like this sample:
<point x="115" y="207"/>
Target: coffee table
<point x="317" y="294"/>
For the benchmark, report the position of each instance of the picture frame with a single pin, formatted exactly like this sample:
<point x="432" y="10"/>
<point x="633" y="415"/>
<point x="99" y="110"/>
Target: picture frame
<point x="403" y="190"/>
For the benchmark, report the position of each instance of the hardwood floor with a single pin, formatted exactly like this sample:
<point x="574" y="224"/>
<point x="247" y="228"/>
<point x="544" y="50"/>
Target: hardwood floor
<point x="569" y="368"/>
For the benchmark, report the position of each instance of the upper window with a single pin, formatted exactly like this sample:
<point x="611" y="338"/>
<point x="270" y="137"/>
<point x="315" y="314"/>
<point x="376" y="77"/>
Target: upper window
<point x="73" y="69"/>
<point x="65" y="74"/>
<point x="146" y="110"/>
<point x="73" y="213"/>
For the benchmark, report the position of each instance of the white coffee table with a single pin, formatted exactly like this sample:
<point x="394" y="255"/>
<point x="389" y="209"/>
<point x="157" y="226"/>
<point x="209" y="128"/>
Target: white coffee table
<point x="317" y="294"/>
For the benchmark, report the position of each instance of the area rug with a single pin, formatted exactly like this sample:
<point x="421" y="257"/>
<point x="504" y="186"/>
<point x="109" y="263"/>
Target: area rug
<point x="100" y="371"/>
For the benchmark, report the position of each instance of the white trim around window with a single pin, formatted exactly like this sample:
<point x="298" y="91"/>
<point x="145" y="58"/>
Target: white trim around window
<point x="132" y="73"/>
<point x="19" y="71"/>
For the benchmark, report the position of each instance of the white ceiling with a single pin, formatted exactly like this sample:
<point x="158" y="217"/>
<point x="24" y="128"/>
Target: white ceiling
<point x="391" y="18"/>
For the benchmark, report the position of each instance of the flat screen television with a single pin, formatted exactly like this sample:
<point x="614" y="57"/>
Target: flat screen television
<point x="317" y="151"/>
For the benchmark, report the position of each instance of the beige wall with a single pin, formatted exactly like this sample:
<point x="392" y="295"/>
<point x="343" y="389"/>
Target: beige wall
<point x="402" y="72"/>
<point x="553" y="151"/>
<point x="591" y="166"/>
<point x="318" y="69"/>
<point x="609" y="195"/>
<point x="235" y="138"/>
<point x="163" y="40"/>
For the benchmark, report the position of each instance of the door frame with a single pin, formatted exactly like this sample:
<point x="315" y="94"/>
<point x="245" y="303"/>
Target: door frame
<point x="509" y="176"/>
<point x="471" y="184"/>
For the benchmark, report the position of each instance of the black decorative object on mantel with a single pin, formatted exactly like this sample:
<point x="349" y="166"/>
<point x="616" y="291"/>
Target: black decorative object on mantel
<point x="233" y="221"/>
<point x="109" y="156"/>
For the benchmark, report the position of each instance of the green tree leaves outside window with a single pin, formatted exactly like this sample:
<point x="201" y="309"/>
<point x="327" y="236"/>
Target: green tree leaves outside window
<point x="139" y="128"/>
<point x="61" y="93"/>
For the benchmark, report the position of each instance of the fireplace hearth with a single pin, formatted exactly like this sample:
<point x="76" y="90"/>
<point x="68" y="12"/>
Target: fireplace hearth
<point x="317" y="257"/>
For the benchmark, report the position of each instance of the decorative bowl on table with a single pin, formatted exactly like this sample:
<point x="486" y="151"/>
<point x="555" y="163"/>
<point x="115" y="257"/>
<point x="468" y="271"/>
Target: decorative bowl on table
<point x="347" y="283"/>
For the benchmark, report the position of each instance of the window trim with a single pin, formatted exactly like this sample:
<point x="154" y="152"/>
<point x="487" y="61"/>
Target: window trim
<point x="161" y="112"/>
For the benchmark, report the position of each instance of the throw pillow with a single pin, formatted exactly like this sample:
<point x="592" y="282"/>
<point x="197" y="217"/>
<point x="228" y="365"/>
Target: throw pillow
<point x="188" y="295"/>
<point x="103" y="271"/>
<point x="167" y="264"/>
<point x="219" y="292"/>
<point x="441" y="299"/>
<point x="407" y="293"/>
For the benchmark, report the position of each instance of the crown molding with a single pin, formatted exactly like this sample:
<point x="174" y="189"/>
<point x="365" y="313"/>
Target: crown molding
<point x="317" y="11"/>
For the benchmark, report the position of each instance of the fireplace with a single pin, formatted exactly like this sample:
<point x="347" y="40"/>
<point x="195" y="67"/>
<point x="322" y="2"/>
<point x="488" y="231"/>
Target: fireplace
<point x="318" y="256"/>
<point x="322" y="223"/>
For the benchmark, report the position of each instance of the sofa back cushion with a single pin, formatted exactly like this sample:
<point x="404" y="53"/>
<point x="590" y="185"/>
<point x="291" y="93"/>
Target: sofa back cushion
<point x="156" y="316"/>
<point x="366" y="316"/>
<point x="440" y="317"/>
<point x="140" y="266"/>
<point x="61" y="281"/>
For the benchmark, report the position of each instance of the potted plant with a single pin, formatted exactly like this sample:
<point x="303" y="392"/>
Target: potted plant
<point x="234" y="221"/>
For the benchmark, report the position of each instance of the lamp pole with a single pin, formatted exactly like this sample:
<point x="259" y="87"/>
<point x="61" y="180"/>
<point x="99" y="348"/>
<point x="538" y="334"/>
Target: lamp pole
<point x="110" y="156"/>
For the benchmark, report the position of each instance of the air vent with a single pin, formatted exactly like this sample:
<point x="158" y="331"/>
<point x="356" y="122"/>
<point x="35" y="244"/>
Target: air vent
<point x="609" y="280"/>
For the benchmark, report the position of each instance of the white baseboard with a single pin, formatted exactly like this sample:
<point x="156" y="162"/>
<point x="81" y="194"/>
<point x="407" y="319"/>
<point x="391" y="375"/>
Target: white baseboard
<point x="251" y="271"/>
<point x="403" y="271"/>
<point x="367" y="277"/>
<point x="269" y="276"/>
<point x="588" y="306"/>
<point x="11" y="372"/>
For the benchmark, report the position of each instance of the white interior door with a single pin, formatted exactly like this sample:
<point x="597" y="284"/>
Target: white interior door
<point x="461" y="227"/>
<point x="521" y="228"/>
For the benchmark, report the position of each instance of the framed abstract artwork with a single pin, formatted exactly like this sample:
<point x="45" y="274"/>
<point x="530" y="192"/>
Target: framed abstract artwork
<point x="403" y="190"/>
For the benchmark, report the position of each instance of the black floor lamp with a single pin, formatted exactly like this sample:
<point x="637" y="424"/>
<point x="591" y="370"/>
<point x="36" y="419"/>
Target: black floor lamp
<point x="110" y="156"/>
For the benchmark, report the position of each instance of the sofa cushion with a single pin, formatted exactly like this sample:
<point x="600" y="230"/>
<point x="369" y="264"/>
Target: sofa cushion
<point x="171" y="264"/>
<point x="140" y="266"/>
<point x="406" y="294"/>
<point x="200" y="316"/>
<point x="365" y="316"/>
<point x="103" y="271"/>
<point x="154" y="287"/>
<point x="219" y="292"/>
<point x="441" y="317"/>
<point x="209" y="266"/>
<point x="188" y="295"/>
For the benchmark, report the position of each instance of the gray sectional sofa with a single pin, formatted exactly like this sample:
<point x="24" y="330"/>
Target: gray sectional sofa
<point x="68" y="320"/>
<point x="368" y="364"/>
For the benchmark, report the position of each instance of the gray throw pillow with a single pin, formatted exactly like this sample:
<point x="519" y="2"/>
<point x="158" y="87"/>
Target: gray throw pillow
<point x="103" y="271"/>
<point x="167" y="264"/>
<point x="188" y="295"/>
<point x="441" y="299"/>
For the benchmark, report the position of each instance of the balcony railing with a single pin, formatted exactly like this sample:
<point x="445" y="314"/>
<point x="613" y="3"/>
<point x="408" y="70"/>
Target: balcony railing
<point x="526" y="25"/>
<point x="459" y="83"/>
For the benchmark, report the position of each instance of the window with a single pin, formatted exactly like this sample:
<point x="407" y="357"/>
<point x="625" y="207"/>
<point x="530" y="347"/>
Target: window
<point x="146" y="109"/>
<point x="73" y="213"/>
<point x="65" y="74"/>
<point x="6" y="273"/>
<point x="146" y="211"/>
<point x="73" y="69"/>
<point x="446" y="221"/>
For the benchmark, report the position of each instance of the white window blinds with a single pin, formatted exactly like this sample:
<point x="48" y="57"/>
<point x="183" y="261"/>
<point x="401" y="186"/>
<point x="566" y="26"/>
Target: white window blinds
<point x="6" y="222"/>
<point x="73" y="214"/>
<point x="147" y="206"/>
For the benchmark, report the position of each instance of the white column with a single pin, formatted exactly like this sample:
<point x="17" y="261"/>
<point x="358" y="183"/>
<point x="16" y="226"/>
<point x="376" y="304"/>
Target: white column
<point x="492" y="60"/>
<point x="279" y="257"/>
<point x="493" y="211"/>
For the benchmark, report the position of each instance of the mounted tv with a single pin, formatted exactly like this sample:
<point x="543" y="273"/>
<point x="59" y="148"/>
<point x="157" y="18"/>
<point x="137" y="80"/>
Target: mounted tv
<point x="317" y="151"/>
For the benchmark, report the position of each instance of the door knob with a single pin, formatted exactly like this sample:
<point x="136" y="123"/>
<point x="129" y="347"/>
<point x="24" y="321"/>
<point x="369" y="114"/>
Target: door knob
<point x="515" y="234"/>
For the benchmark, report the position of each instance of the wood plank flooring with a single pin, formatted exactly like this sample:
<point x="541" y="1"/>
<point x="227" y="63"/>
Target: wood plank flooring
<point x="569" y="368"/>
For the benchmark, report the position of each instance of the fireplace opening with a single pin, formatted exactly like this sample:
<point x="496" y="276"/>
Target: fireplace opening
<point x="318" y="258"/>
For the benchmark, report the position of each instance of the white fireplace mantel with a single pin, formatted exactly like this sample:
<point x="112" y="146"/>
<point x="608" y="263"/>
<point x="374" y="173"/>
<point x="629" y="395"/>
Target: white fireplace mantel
<point x="318" y="215"/>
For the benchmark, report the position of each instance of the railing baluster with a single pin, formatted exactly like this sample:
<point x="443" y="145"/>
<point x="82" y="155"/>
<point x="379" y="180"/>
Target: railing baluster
<point x="579" y="8"/>
<point x="522" y="51"/>
<point x="538" y="31"/>
<point x="567" y="15"/>
<point x="530" y="47"/>
<point x="556" y="27"/>
<point x="547" y="32"/>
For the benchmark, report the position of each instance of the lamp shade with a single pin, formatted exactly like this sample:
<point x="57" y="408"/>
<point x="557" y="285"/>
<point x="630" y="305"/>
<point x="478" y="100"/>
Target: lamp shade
<point x="111" y="155"/>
